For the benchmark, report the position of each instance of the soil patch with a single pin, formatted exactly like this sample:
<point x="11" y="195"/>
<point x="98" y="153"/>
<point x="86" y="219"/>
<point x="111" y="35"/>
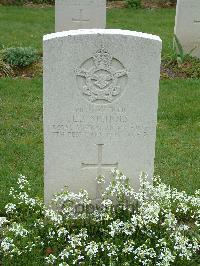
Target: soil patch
<point x="34" y="70"/>
<point x="187" y="70"/>
<point x="111" y="4"/>
<point x="145" y="4"/>
<point x="37" y="5"/>
<point x="151" y="4"/>
<point x="169" y="70"/>
<point x="116" y="4"/>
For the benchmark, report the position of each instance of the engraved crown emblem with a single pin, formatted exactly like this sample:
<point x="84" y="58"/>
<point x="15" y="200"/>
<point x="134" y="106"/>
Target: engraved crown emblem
<point x="101" y="78"/>
<point x="102" y="58"/>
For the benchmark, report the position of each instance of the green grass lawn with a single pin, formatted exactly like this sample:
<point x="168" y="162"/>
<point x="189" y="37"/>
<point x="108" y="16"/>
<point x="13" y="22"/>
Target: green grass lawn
<point x="26" y="26"/>
<point x="21" y="26"/>
<point x="21" y="141"/>
<point x="21" y="137"/>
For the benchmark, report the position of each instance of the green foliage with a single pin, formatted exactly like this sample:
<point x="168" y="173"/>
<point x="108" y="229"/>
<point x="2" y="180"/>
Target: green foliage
<point x="20" y="56"/>
<point x="133" y="3"/>
<point x="156" y="225"/>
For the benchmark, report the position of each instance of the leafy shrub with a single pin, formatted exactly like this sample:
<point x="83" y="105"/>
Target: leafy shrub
<point x="133" y="3"/>
<point x="20" y="56"/>
<point x="157" y="226"/>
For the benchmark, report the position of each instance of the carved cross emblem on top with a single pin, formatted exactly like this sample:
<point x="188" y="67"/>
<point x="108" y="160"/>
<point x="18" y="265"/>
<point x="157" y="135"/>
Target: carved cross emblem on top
<point x="80" y="19"/>
<point x="99" y="165"/>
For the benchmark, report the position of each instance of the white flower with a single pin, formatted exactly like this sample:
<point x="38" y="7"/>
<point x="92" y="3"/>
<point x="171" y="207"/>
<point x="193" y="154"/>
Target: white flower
<point x="153" y="217"/>
<point x="3" y="220"/>
<point x="24" y="197"/>
<point x="183" y="246"/>
<point x="110" y="248"/>
<point x="18" y="230"/>
<point x="62" y="232"/>
<point x="75" y="240"/>
<point x="149" y="213"/>
<point x="107" y="203"/>
<point x="53" y="216"/>
<point x="170" y="221"/>
<point x="91" y="249"/>
<point x="64" y="254"/>
<point x="116" y="227"/>
<point x="134" y="220"/>
<point x="128" y="247"/>
<point x="51" y="233"/>
<point x="22" y="182"/>
<point x="144" y="254"/>
<point x="10" y="208"/>
<point x="51" y="259"/>
<point x="7" y="244"/>
<point x="129" y="228"/>
<point x="165" y="257"/>
<point x="100" y="179"/>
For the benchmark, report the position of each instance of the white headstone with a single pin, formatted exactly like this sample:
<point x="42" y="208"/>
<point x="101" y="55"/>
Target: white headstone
<point x="80" y="14"/>
<point x="100" y="106"/>
<point x="187" y="25"/>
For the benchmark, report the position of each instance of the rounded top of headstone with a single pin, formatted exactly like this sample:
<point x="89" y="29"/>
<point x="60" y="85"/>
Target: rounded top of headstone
<point x="80" y="32"/>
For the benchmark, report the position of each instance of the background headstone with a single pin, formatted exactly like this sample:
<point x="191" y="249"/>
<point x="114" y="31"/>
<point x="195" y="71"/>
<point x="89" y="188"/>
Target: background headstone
<point x="80" y="14"/>
<point x="187" y="25"/>
<point x="100" y="106"/>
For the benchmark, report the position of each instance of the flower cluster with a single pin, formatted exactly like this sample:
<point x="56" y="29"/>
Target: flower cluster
<point x="156" y="225"/>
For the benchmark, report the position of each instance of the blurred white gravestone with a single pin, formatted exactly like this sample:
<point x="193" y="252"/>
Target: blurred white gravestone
<point x="80" y="14"/>
<point x="100" y="106"/>
<point x="187" y="25"/>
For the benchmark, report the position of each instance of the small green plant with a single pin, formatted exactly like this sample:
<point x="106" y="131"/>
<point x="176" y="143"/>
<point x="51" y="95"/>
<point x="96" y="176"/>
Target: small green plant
<point x="20" y="56"/>
<point x="133" y="3"/>
<point x="178" y="48"/>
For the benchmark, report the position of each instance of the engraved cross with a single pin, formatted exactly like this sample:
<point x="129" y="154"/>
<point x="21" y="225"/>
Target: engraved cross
<point x="80" y="19"/>
<point x="197" y="21"/>
<point x="99" y="165"/>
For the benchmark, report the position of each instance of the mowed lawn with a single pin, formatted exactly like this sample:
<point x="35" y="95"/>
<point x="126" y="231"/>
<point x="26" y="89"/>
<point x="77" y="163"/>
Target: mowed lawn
<point x="23" y="26"/>
<point x="21" y="137"/>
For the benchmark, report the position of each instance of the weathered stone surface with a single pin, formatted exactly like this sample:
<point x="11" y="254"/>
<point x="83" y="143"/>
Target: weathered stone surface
<point x="187" y="25"/>
<point x="100" y="106"/>
<point x="80" y="14"/>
